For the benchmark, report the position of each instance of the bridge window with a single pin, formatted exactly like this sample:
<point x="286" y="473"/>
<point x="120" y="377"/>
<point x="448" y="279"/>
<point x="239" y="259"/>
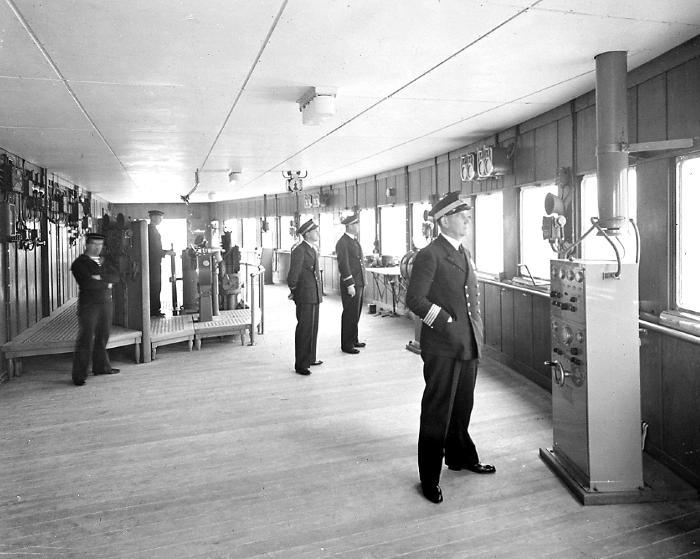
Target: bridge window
<point x="368" y="230"/>
<point x="488" y="233"/>
<point x="687" y="234"/>
<point x="287" y="232"/>
<point x="269" y="237"/>
<point x="234" y="226"/>
<point x="535" y="252"/>
<point x="418" y="239"/>
<point x="393" y="221"/>
<point x="330" y="231"/>
<point x="250" y="234"/>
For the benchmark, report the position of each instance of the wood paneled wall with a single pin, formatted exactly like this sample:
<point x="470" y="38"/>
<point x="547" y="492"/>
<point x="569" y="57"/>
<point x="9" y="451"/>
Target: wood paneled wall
<point x="36" y="282"/>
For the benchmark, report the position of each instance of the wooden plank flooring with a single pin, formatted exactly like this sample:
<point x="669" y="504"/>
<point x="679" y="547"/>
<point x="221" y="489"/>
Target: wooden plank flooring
<point x="227" y="453"/>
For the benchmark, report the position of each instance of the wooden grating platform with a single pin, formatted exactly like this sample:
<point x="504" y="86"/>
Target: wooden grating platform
<point x="56" y="334"/>
<point x="171" y="330"/>
<point x="228" y="323"/>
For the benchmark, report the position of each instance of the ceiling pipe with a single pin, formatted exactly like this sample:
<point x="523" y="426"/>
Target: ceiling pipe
<point x="611" y="132"/>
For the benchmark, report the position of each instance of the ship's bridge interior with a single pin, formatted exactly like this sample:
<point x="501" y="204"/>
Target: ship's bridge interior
<point x="571" y="129"/>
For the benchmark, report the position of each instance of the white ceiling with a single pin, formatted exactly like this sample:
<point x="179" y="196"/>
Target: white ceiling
<point x="128" y="98"/>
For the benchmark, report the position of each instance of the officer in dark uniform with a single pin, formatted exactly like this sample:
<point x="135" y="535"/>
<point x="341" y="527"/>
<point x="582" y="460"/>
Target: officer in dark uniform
<point x="304" y="282"/>
<point x="352" y="283"/>
<point x="94" y="311"/>
<point x="155" y="256"/>
<point x="443" y="292"/>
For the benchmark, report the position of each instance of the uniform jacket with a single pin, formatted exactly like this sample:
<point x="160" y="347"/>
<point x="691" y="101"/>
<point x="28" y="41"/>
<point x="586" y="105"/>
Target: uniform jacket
<point x="350" y="261"/>
<point x="304" y="278"/>
<point x="442" y="285"/>
<point x="155" y="247"/>
<point x="91" y="291"/>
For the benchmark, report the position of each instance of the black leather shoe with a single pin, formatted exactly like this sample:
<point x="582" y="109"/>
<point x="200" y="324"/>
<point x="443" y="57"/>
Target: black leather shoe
<point x="319" y="362"/>
<point x="432" y="492"/>
<point x="78" y="381"/>
<point x="351" y="350"/>
<point x="360" y="344"/>
<point x="477" y="468"/>
<point x="111" y="371"/>
<point x="304" y="372"/>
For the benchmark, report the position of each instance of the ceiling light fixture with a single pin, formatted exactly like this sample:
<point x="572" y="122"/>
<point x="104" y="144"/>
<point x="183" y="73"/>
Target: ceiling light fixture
<point x="317" y="105"/>
<point x="233" y="176"/>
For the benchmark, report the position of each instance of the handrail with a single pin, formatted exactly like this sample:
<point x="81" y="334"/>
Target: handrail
<point x="642" y="323"/>
<point x="670" y="332"/>
<point x="516" y="287"/>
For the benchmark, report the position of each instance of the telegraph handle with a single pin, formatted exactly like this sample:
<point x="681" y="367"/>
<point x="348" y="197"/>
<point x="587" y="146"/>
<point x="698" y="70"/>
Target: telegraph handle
<point x="559" y="373"/>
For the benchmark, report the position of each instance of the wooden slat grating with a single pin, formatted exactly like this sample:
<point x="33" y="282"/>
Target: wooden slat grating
<point x="57" y="333"/>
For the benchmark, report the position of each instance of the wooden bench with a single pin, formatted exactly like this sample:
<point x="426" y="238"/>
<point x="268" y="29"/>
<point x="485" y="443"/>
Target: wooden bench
<point x="56" y="334"/>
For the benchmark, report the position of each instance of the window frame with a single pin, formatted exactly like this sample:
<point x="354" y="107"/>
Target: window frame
<point x="678" y="246"/>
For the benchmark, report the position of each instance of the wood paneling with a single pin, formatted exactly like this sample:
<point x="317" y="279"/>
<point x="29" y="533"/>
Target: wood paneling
<point x="651" y="383"/>
<point x="546" y="152"/>
<point x="525" y="158"/>
<point x="443" y="175"/>
<point x="585" y="141"/>
<point x="632" y="116"/>
<point x="367" y="194"/>
<point x="455" y="177"/>
<point x="681" y="394"/>
<point x="683" y="104"/>
<point x="653" y="207"/>
<point x="565" y="142"/>
<point x="522" y="316"/>
<point x="507" y="322"/>
<point x="651" y="109"/>
<point x="351" y="194"/>
<point x="414" y="187"/>
<point x="492" y="315"/>
<point x="541" y="338"/>
<point x="427" y="182"/>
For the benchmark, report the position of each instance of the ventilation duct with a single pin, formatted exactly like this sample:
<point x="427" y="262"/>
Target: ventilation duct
<point x="611" y="131"/>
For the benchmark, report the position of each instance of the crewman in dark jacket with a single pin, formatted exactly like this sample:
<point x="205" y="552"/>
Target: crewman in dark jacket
<point x="94" y="311"/>
<point x="304" y="282"/>
<point x="443" y="292"/>
<point x="352" y="283"/>
<point x="155" y="257"/>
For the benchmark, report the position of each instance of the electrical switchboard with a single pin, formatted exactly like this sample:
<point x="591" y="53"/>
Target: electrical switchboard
<point x="595" y="373"/>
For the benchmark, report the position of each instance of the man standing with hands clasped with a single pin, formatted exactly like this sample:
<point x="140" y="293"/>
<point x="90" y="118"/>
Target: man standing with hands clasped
<point x="304" y="280"/>
<point x="352" y="283"/>
<point x="443" y="292"/>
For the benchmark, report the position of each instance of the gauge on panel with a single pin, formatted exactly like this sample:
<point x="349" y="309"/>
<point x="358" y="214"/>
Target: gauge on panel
<point x="567" y="335"/>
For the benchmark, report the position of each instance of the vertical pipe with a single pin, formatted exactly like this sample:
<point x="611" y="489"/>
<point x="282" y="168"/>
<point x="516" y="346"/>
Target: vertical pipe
<point x="611" y="130"/>
<point x="145" y="292"/>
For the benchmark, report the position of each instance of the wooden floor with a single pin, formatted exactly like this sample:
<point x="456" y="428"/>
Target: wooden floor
<point x="228" y="453"/>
